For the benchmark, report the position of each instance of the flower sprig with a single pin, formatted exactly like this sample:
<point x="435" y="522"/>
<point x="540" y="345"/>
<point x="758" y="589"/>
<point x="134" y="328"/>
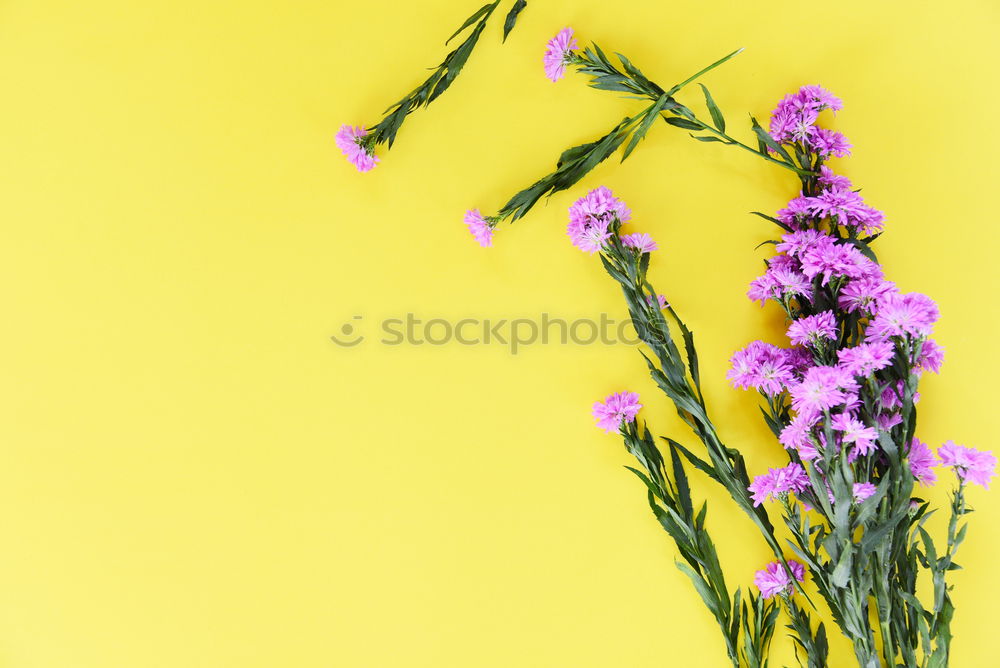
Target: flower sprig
<point x="358" y="144"/>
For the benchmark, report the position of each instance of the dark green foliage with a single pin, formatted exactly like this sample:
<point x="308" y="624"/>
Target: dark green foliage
<point x="444" y="74"/>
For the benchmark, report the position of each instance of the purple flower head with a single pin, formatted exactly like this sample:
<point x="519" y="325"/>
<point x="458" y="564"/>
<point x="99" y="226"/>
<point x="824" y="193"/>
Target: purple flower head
<point x="831" y="180"/>
<point x="795" y="212"/>
<point x="761" y="366"/>
<point x="829" y="142"/>
<point x="863" y="490"/>
<point x="902" y="314"/>
<point x="558" y="52"/>
<point x="480" y="227"/>
<point x="591" y="216"/>
<point x="931" y="356"/>
<point x="798" y="436"/>
<point x="640" y="241"/>
<point x="797" y="244"/>
<point x="831" y="260"/>
<point x="813" y="329"/>
<point x="854" y="432"/>
<point x="778" y="483"/>
<point x="822" y="388"/>
<point x="616" y="409"/>
<point x="352" y="143"/>
<point x="866" y="358"/>
<point x="774" y="580"/>
<point x="922" y="462"/>
<point x="970" y="465"/>
<point x="864" y="294"/>
<point x="886" y="421"/>
<point x="780" y="282"/>
<point x="818" y="98"/>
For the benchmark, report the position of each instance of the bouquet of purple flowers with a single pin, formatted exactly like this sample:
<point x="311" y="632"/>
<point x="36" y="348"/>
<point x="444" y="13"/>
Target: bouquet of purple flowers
<point x="840" y="397"/>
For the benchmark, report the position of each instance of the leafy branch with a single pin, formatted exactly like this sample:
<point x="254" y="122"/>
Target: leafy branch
<point x="443" y="75"/>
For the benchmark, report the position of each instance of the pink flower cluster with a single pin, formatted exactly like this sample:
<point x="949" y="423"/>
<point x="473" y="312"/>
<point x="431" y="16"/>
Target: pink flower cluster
<point x="591" y="220"/>
<point x="774" y="579"/>
<point x="616" y="409"/>
<point x="794" y="122"/>
<point x="856" y="339"/>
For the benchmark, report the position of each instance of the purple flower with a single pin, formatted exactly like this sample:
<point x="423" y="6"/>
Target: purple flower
<point x="797" y="244"/>
<point x="795" y="212"/>
<point x="798" y="436"/>
<point x="774" y="580"/>
<point x="853" y="431"/>
<point x="863" y="490"/>
<point x="866" y="358"/>
<point x="886" y="421"/>
<point x="351" y="141"/>
<point x="558" y="52"/>
<point x="819" y="98"/>
<point x="922" y="462"/>
<point x="761" y="366"/>
<point x="970" y="465"/>
<point x="778" y="483"/>
<point x="831" y="260"/>
<point x="822" y="388"/>
<point x="831" y="180"/>
<point x="931" y="356"/>
<point x="902" y="314"/>
<point x="780" y="282"/>
<point x="863" y="294"/>
<point x="640" y="241"/>
<point x="591" y="216"/>
<point x="813" y="329"/>
<point x="481" y="228"/>
<point x="616" y="409"/>
<point x="829" y="142"/>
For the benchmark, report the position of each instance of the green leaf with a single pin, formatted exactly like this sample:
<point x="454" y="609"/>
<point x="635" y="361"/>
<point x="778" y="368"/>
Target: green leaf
<point x="511" y="19"/>
<point x="485" y="9"/>
<point x="713" y="109"/>
<point x="842" y="572"/>
<point x="651" y="114"/>
<point x="683" y="123"/>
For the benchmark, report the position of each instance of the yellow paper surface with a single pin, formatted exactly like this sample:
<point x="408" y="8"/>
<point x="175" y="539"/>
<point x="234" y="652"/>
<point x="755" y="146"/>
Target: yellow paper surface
<point x="193" y="474"/>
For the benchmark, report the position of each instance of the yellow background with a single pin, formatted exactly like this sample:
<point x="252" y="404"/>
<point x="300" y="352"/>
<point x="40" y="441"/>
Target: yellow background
<point x="193" y="475"/>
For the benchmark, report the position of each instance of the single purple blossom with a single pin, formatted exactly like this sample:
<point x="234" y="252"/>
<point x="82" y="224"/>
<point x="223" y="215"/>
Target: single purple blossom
<point x="864" y="294"/>
<point x="819" y="98"/>
<point x="931" y="356"/>
<point x="616" y="409"/>
<point x="829" y="143"/>
<point x="831" y="180"/>
<point x="660" y="301"/>
<point x="822" y="388"/>
<point x="351" y="141"/>
<point x="854" y="432"/>
<point x="795" y="212"/>
<point x="480" y="227"/>
<point x="761" y="366"/>
<point x="866" y="358"/>
<point x="901" y="314"/>
<point x="640" y="241"/>
<point x="798" y="436"/>
<point x="558" y="52"/>
<point x="922" y="462"/>
<point x="863" y="490"/>
<point x="970" y="465"/>
<point x="778" y="483"/>
<point x="814" y="329"/>
<point x="774" y="579"/>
